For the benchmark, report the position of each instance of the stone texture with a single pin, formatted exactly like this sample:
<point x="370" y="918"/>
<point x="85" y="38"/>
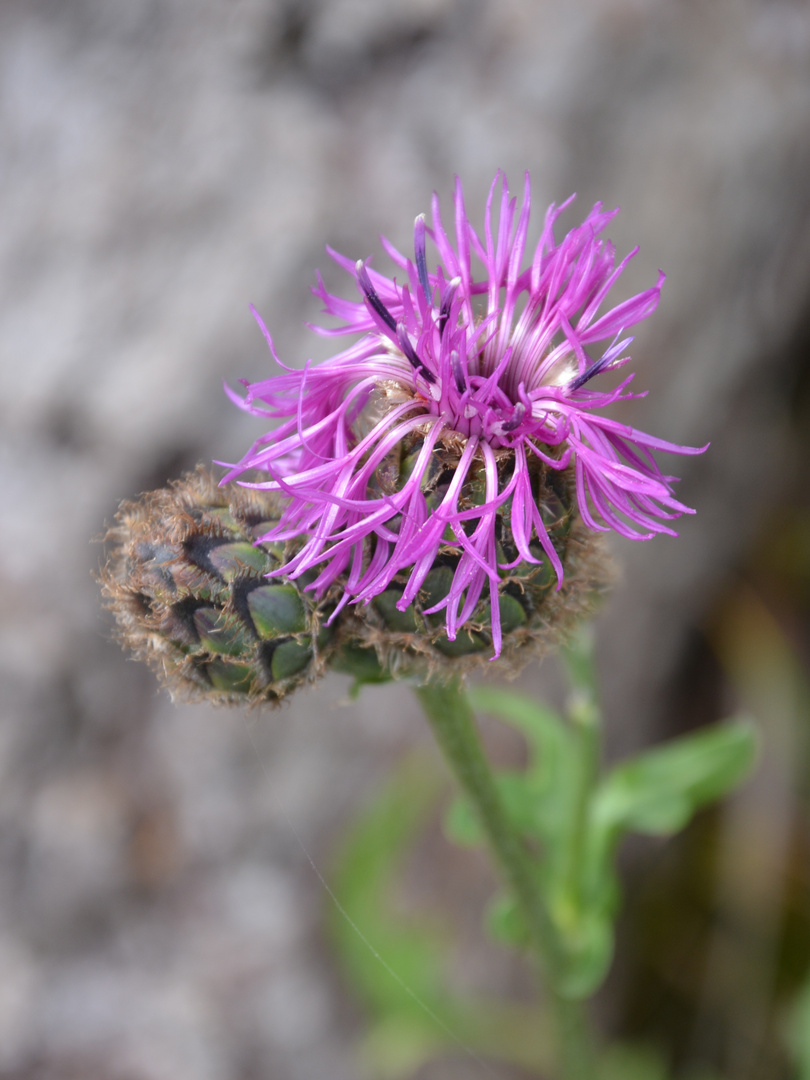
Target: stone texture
<point x="167" y="162"/>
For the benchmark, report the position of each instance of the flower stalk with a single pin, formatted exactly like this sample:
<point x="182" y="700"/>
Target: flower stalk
<point x="451" y="718"/>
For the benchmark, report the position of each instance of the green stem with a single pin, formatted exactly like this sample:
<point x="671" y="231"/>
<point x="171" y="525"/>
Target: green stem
<point x="453" y="723"/>
<point x="584" y="715"/>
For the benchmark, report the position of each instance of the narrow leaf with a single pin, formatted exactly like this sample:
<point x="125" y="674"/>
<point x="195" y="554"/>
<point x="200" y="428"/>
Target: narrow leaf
<point x="661" y="789"/>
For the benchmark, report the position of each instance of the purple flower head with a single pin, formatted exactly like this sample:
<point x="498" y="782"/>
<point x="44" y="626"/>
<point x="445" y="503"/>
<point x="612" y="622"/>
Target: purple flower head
<point x="483" y="356"/>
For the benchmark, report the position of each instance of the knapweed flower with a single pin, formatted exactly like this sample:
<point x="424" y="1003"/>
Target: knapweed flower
<point x="445" y="458"/>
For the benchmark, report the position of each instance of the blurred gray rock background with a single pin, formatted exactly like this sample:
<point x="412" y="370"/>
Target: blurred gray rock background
<point x="162" y="164"/>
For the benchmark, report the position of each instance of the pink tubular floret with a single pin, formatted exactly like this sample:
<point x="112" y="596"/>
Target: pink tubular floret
<point x="494" y="360"/>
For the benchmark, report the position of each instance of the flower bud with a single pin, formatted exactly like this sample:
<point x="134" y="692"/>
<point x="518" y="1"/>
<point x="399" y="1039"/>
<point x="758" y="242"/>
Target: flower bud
<point x="185" y="581"/>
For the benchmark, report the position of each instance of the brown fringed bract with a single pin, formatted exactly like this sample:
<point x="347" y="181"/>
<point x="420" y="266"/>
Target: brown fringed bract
<point x="536" y="615"/>
<point x="186" y="583"/>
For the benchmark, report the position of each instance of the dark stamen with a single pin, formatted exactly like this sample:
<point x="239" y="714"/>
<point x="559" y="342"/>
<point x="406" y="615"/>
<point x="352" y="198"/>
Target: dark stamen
<point x="594" y="369"/>
<point x="458" y="372"/>
<point x="447" y="302"/>
<point x="421" y="258"/>
<point x="516" y="418"/>
<point x="364" y="281"/>
<point x="410" y="353"/>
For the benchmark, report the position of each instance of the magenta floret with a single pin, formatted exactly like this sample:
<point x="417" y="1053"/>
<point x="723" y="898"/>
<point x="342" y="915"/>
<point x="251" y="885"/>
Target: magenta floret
<point x="494" y="364"/>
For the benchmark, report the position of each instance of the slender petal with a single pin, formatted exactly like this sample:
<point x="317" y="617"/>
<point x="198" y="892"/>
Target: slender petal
<point x="423" y="436"/>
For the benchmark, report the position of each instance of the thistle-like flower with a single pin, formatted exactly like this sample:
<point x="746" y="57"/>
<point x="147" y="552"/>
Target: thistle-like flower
<point x="464" y="431"/>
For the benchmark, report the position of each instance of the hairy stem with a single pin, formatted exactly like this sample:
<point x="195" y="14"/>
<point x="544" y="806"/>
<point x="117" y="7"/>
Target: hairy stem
<point x="452" y="720"/>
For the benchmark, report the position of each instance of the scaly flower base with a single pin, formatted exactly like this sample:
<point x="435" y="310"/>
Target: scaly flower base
<point x="193" y="593"/>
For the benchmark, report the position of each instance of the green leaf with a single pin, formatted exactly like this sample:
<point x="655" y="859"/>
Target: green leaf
<point x="506" y="924"/>
<point x="543" y="799"/>
<point x="540" y="724"/>
<point x="659" y="791"/>
<point x="588" y="954"/>
<point x="520" y="800"/>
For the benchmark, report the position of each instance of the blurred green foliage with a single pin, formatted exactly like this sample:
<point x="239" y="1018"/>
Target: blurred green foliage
<point x="399" y="963"/>
<point x="656" y="793"/>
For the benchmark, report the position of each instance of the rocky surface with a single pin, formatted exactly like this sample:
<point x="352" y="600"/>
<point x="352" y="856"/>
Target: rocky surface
<point x="163" y="164"/>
